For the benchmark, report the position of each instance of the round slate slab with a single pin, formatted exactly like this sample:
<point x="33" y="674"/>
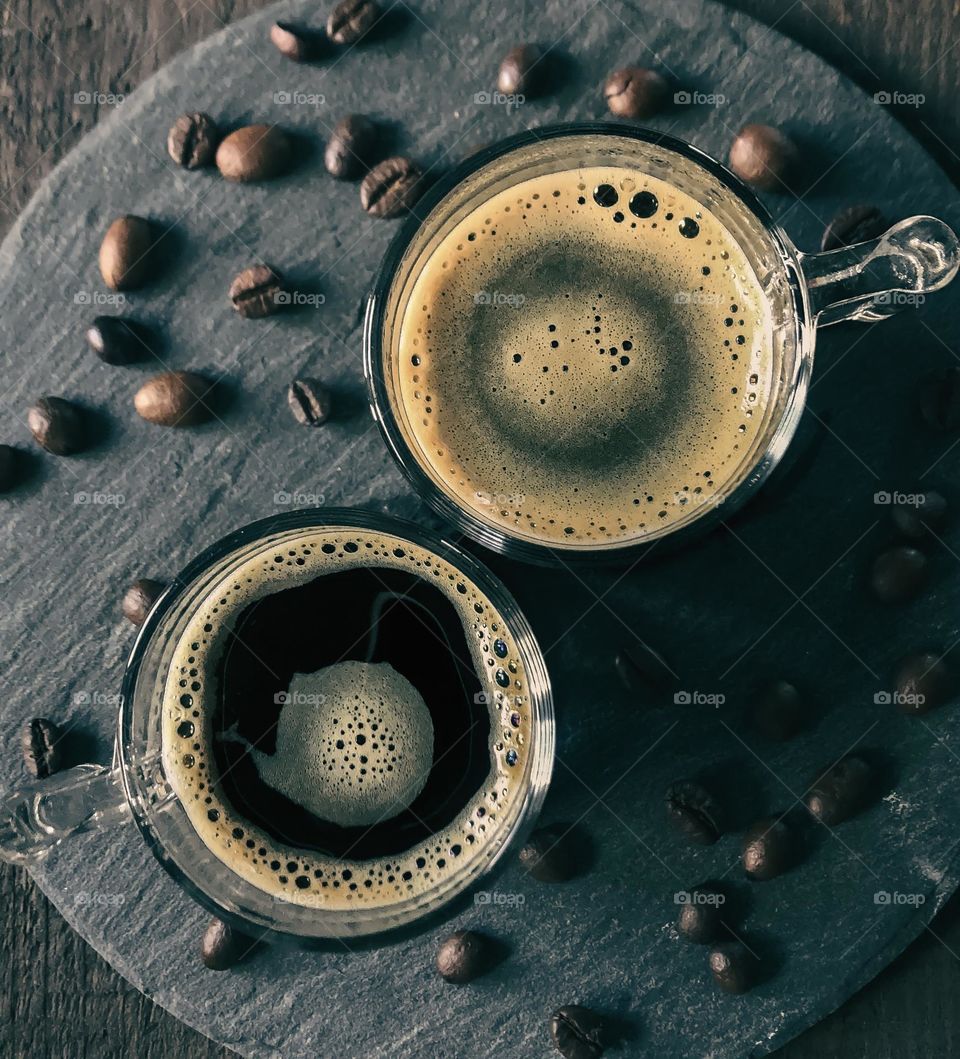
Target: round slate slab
<point x="776" y="592"/>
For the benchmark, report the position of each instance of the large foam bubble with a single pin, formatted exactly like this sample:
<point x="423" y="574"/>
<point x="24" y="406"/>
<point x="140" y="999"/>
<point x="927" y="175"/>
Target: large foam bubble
<point x="354" y="743"/>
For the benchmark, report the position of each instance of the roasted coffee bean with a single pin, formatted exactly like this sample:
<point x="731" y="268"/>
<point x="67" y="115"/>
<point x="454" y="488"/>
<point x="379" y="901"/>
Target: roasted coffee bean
<point x="464" y="956"/>
<point x="119" y="341"/>
<point x="175" y="399"/>
<point x="733" y="966"/>
<point x="522" y="71"/>
<point x="780" y="711"/>
<point x="769" y="848"/>
<point x="350" y="147"/>
<point x="258" y="291"/>
<point x="139" y="599"/>
<point x="255" y="152"/>
<point x="127" y="253"/>
<point x="940" y="400"/>
<point x="921" y="519"/>
<point x="898" y="574"/>
<point x="694" y="812"/>
<point x="855" y="224"/>
<point x="552" y="854"/>
<point x="641" y="665"/>
<point x="42" y="747"/>
<point x="223" y="947"/>
<point x="391" y="188"/>
<point x="297" y="43"/>
<point x="351" y="20"/>
<point x="309" y="401"/>
<point x="923" y="681"/>
<point x="9" y="467"/>
<point x="764" y="156"/>
<point x="841" y="790"/>
<point x="701" y="914"/>
<point x="578" y="1032"/>
<point x="634" y="92"/>
<point x="57" y="425"/>
<point x="193" y="139"/>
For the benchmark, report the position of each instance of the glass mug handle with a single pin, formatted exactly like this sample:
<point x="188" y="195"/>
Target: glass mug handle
<point x="873" y="280"/>
<point x="38" y="816"/>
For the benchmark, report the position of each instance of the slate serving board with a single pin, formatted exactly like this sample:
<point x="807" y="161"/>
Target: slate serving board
<point x="776" y="592"/>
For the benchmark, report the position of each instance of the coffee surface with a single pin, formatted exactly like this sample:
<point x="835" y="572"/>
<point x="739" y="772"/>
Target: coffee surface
<point x="345" y="720"/>
<point x="585" y="359"/>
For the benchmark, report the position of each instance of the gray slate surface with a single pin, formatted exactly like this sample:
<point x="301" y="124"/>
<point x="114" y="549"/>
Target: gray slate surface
<point x="606" y="939"/>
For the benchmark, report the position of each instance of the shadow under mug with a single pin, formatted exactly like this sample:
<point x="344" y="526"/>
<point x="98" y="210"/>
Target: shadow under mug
<point x="864" y="282"/>
<point x="37" y="817"/>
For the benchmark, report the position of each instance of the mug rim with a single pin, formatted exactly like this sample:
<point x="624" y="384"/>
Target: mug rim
<point x="500" y="539"/>
<point x="401" y="920"/>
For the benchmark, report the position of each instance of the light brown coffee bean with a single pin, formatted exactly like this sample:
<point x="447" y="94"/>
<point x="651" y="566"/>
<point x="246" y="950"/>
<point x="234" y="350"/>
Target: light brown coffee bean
<point x="258" y="291"/>
<point x="224" y="947"/>
<point x="139" y="599"/>
<point x="192" y="140"/>
<point x="175" y="399"/>
<point x="522" y="71"/>
<point x="127" y="252"/>
<point x="391" y="188"/>
<point x="309" y="401"/>
<point x="635" y="92"/>
<point x="350" y="147"/>
<point x="255" y="152"/>
<point x="764" y="157"/>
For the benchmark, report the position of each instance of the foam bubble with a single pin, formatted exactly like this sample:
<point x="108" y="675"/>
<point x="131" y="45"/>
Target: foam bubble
<point x="354" y="743"/>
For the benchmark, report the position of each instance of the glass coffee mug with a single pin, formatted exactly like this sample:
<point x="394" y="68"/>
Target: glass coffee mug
<point x="137" y="787"/>
<point x="799" y="292"/>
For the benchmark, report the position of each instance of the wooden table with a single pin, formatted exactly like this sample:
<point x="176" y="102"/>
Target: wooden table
<point x="57" y="997"/>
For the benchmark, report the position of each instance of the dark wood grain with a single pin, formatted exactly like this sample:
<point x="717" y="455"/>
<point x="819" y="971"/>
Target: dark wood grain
<point x="57" y="997"/>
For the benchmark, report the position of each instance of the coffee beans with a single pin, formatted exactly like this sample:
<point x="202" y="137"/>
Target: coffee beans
<point x="256" y="292"/>
<point x="841" y="790"/>
<point x="139" y="599"/>
<point x="521" y="72"/>
<point x="779" y="711"/>
<point x="733" y="966"/>
<point x="296" y="43"/>
<point x="57" y="426"/>
<point x="551" y="854"/>
<point x="769" y="848"/>
<point x="9" y="467"/>
<point x="923" y="681"/>
<point x="352" y="19"/>
<point x="192" y="140"/>
<point x="764" y="156"/>
<point x="350" y="147"/>
<point x="464" y="956"/>
<point x="126" y="253"/>
<point x="175" y="399"/>
<point x="700" y="918"/>
<point x="694" y="812"/>
<point x="899" y="574"/>
<point x="922" y="519"/>
<point x="309" y="402"/>
<point x="255" y="152"/>
<point x="940" y="400"/>
<point x="391" y="188"/>
<point x="42" y="742"/>
<point x="578" y="1032"/>
<point x="634" y="92"/>
<point x="223" y="947"/>
<point x="119" y="341"/>
<point x="855" y="224"/>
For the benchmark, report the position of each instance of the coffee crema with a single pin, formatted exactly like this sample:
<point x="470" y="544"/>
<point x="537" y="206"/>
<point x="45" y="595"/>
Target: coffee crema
<point x="585" y="359"/>
<point x="346" y="720"/>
